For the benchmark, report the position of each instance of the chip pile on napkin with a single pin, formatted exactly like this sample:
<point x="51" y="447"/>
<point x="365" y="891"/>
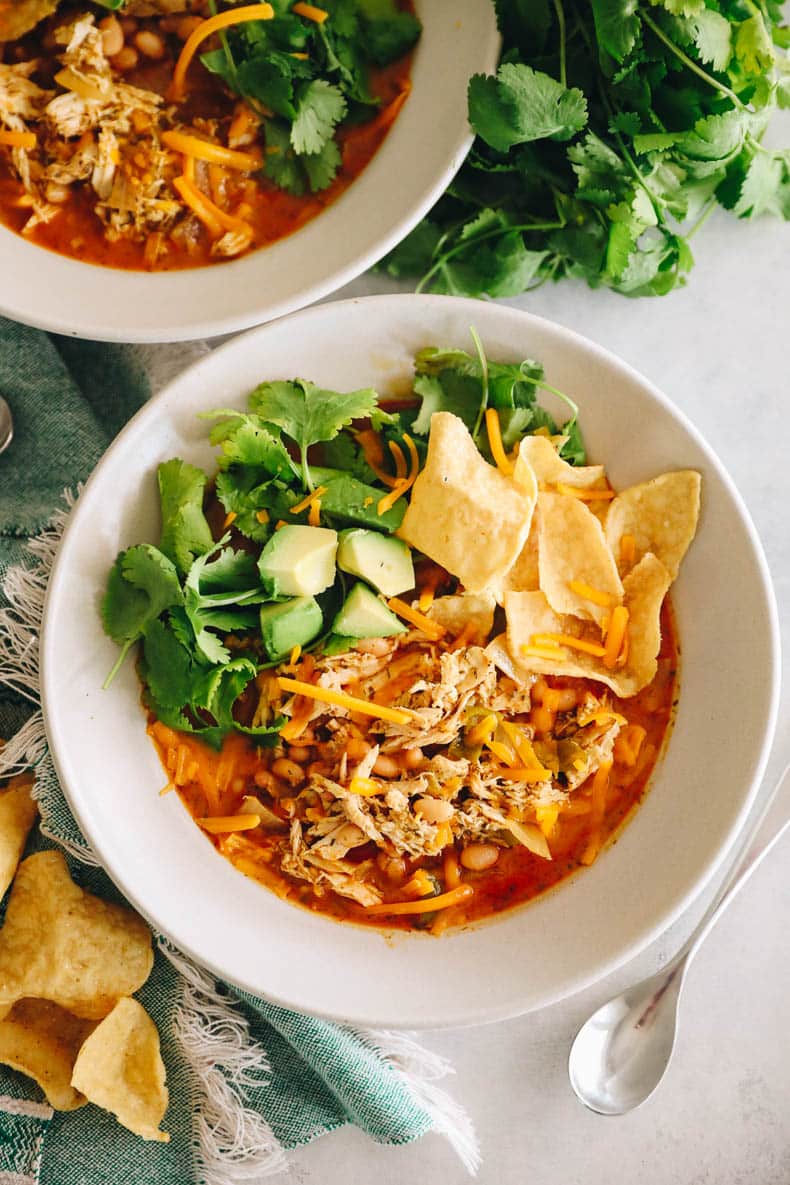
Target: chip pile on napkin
<point x="246" y="1080"/>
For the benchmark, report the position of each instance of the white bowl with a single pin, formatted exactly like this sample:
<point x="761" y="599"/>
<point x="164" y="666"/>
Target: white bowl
<point x="521" y="960"/>
<point x="416" y="162"/>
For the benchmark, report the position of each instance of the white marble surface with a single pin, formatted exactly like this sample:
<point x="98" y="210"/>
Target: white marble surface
<point x="719" y="348"/>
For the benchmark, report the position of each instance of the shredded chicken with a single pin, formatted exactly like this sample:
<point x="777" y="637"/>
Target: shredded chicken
<point x="446" y="692"/>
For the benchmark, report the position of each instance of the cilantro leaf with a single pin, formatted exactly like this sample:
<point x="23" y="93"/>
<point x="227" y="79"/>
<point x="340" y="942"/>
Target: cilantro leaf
<point x="142" y="584"/>
<point x="309" y="414"/>
<point x="185" y="531"/>
<point x="247" y="440"/>
<point x="616" y="26"/>
<point x="389" y="33"/>
<point x="320" y="108"/>
<point x="167" y="667"/>
<point x="522" y="104"/>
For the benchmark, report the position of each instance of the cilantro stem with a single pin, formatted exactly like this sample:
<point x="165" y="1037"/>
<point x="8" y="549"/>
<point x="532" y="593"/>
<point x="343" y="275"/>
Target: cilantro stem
<point x="118" y="664"/>
<point x="559" y="394"/>
<point x="703" y="218"/>
<point x="560" y="11"/>
<point x="484" y="369"/>
<point x="307" y="477"/>
<point x="689" y="62"/>
<point x="473" y="240"/>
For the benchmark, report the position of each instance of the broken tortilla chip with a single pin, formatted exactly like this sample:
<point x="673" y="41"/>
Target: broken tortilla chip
<point x="577" y="570"/>
<point x="62" y="944"/>
<point x="549" y="467"/>
<point x="529" y="614"/>
<point x="464" y="513"/>
<point x="467" y="611"/>
<point x="20" y="16"/>
<point x="660" y="516"/>
<point x="42" y="1040"/>
<point x="120" y="1068"/>
<point x="18" y="813"/>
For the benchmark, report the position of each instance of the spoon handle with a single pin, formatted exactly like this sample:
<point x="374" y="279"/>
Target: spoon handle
<point x="767" y="832"/>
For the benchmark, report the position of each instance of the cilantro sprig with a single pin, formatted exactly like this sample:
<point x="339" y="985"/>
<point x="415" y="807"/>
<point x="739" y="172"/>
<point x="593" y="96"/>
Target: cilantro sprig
<point x="607" y="136"/>
<point x="306" y="79"/>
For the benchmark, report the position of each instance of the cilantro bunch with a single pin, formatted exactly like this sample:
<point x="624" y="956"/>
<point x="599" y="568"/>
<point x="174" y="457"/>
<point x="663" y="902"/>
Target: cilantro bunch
<point x="609" y="133"/>
<point x="308" y="77"/>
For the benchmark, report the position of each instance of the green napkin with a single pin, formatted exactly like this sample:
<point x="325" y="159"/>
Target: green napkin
<point x="247" y="1079"/>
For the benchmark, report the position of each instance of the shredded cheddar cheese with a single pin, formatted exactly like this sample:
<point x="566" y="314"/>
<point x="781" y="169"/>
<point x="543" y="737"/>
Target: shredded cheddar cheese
<point x="588" y="593"/>
<point x="431" y="629"/>
<point x="615" y="636"/>
<point x="401" y="467"/>
<point x="245" y="162"/>
<point x="308" y="501"/>
<point x="503" y="463"/>
<point x="627" y="549"/>
<point x="310" y="12"/>
<point x="230" y="517"/>
<point x="585" y="495"/>
<point x="340" y="700"/>
<point x="222" y="823"/>
<point x="550" y="653"/>
<point x="541" y="640"/>
<point x="314" y="517"/>
<point x="262" y="516"/>
<point x="365" y="787"/>
<point x="522" y="773"/>
<point x="237" y="16"/>
<point x="18" y="139"/>
<point x="482" y="732"/>
<point x="426" y="905"/>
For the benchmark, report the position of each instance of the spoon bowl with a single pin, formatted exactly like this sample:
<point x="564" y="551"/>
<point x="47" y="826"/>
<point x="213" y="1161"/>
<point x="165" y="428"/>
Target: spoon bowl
<point x="623" y="1051"/>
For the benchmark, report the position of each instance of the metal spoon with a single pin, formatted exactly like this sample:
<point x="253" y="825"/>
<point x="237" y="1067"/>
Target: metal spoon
<point x="6" y="425"/>
<point x="622" y="1052"/>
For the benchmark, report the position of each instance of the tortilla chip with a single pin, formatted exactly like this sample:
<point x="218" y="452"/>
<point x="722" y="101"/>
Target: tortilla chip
<point x="464" y="513"/>
<point x="120" y="1069"/>
<point x="20" y="16"/>
<point x="525" y="573"/>
<point x="549" y="467"/>
<point x="572" y="547"/>
<point x="529" y="613"/>
<point x="466" y="610"/>
<point x="42" y="1040"/>
<point x="660" y="515"/>
<point x="18" y="811"/>
<point x="62" y="944"/>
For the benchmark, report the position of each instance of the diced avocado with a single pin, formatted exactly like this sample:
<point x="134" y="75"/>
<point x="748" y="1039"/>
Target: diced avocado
<point x="381" y="560"/>
<point x="288" y="624"/>
<point x="299" y="561"/>
<point x="337" y="644"/>
<point x="363" y="615"/>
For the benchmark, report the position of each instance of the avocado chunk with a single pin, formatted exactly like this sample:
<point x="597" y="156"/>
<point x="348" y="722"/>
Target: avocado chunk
<point x="298" y="561"/>
<point x="381" y="560"/>
<point x="288" y="624"/>
<point x="363" y="615"/>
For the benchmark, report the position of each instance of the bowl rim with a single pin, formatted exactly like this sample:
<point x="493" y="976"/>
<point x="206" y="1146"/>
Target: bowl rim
<point x="683" y="896"/>
<point x="253" y="272"/>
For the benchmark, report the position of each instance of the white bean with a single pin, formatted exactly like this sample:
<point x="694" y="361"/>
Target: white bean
<point x="477" y="857"/>
<point x="434" y="810"/>
<point x="111" y="36"/>
<point x="150" y="44"/>
<point x="386" y="766"/>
